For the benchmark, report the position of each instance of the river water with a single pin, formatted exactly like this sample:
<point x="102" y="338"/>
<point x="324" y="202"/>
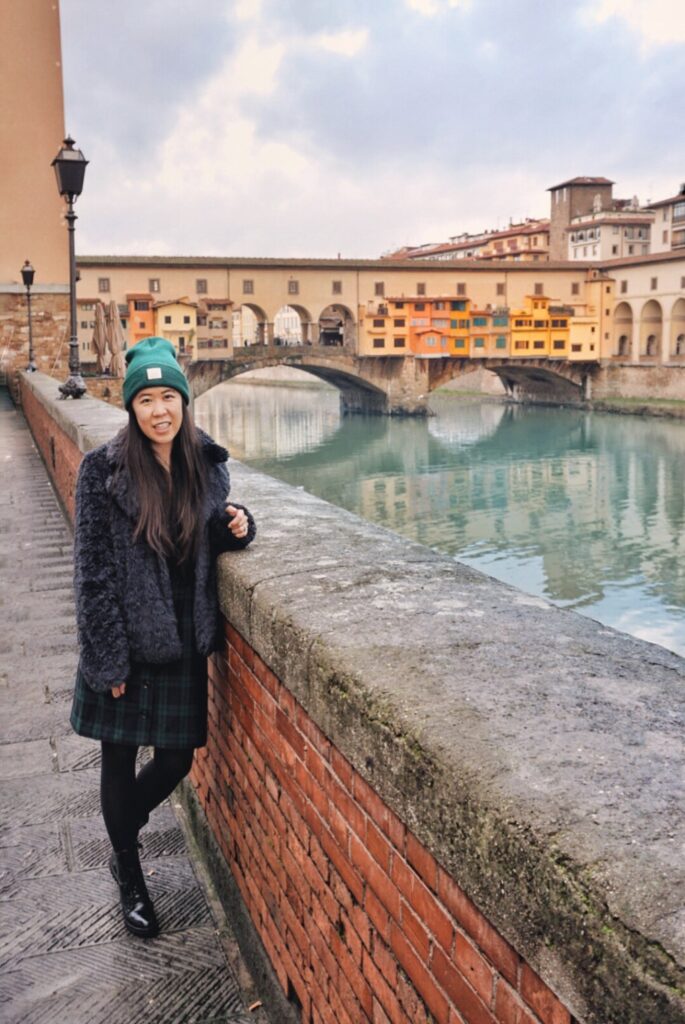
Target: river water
<point x="585" y="509"/>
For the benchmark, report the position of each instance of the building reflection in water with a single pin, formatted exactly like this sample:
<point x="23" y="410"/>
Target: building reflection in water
<point x="585" y="509"/>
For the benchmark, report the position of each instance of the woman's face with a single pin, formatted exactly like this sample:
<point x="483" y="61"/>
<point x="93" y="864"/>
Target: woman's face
<point x="159" y="412"/>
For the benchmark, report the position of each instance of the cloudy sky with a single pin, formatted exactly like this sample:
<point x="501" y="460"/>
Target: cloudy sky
<point x="318" y="127"/>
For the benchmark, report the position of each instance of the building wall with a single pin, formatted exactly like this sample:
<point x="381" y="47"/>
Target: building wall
<point x="31" y="133"/>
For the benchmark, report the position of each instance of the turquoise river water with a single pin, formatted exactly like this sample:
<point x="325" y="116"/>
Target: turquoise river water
<point x="585" y="509"/>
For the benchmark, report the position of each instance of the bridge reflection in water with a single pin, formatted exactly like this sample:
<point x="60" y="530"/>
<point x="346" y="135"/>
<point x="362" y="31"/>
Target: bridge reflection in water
<point x="584" y="509"/>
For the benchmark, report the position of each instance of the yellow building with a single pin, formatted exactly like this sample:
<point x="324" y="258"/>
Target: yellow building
<point x="177" y="321"/>
<point x="489" y="333"/>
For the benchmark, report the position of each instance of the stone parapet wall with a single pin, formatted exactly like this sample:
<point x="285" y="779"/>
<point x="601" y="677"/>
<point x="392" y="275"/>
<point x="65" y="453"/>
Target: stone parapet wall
<point x="651" y="382"/>
<point x="441" y="799"/>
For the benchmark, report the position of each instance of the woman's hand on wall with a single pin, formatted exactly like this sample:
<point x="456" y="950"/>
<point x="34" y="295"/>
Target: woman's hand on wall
<point x="237" y="524"/>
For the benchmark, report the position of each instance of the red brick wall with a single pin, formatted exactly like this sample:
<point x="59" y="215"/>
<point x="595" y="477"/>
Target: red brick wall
<point x="62" y="457"/>
<point x="357" y="917"/>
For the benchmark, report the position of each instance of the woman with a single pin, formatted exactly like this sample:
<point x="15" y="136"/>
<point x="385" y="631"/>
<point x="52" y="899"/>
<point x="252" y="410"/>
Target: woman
<point x="151" y="516"/>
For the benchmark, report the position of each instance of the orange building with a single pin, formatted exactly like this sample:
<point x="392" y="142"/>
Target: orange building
<point x="141" y="317"/>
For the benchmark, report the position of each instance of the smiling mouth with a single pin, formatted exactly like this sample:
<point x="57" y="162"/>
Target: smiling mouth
<point x="162" y="426"/>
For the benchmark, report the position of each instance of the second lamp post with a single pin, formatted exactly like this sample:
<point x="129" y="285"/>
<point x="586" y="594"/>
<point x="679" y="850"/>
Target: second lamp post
<point x="70" y="168"/>
<point x="27" y="275"/>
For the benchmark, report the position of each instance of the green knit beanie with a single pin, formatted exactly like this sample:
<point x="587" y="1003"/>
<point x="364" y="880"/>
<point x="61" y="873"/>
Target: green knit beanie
<point x="152" y="364"/>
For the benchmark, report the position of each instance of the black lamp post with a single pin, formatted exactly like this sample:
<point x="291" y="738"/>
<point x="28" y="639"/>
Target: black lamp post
<point x="27" y="274"/>
<point x="70" y="168"/>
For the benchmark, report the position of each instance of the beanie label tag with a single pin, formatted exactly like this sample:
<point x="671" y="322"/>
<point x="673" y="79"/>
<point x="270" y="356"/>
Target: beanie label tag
<point x="154" y="373"/>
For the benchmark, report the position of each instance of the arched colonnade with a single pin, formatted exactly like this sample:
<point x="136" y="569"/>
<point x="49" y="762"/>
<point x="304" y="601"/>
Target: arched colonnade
<point x="293" y="324"/>
<point x="649" y="332"/>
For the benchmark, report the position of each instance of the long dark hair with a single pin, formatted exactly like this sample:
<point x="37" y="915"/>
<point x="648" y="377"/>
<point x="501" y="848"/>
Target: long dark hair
<point x="170" y="502"/>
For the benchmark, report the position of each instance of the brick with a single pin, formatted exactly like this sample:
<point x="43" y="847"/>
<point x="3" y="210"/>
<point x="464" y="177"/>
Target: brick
<point x="419" y="974"/>
<point x="348" y="807"/>
<point x="432" y="913"/>
<point x="423" y="861"/>
<point x="478" y="928"/>
<point x="509" y="1008"/>
<point x="415" y="932"/>
<point x="377" y="914"/>
<point x="383" y="992"/>
<point x="378" y="845"/>
<point x="460" y="993"/>
<point x="266" y="677"/>
<point x="541" y="999"/>
<point x="370" y="871"/>
<point x="343" y="866"/>
<point x="312" y="733"/>
<point x="475" y="968"/>
<point x="342" y="768"/>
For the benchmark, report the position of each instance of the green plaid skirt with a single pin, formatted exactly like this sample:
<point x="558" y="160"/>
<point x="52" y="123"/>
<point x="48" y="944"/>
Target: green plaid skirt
<point x="164" y="705"/>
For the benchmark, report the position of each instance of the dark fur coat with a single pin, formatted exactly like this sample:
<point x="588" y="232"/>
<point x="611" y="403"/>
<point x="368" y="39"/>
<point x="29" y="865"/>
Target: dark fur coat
<point x="124" y="604"/>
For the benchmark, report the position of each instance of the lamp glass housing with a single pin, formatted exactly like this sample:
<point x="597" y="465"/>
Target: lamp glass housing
<point x="27" y="274"/>
<point x="70" y="169"/>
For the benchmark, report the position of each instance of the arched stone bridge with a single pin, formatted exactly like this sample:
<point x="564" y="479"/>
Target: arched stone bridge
<point x="394" y="385"/>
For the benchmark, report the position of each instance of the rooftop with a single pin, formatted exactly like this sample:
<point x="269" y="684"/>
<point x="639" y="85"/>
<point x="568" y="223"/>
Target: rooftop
<point x="581" y="181"/>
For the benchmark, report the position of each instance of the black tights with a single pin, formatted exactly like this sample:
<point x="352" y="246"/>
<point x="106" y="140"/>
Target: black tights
<point x="127" y="799"/>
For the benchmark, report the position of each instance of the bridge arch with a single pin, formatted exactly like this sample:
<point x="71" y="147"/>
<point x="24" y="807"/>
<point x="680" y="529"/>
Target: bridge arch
<point x="651" y="331"/>
<point x="357" y="393"/>
<point x="677" y="346"/>
<point x="250" y="325"/>
<point x="292" y="325"/>
<point x="336" y="325"/>
<point x="623" y="331"/>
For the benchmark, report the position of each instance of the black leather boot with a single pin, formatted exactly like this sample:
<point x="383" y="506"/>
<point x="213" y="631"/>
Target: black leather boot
<point x="136" y="905"/>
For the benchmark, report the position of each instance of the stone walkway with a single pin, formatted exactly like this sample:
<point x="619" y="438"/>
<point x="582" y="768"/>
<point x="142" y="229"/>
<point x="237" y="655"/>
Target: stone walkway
<point x="65" y="956"/>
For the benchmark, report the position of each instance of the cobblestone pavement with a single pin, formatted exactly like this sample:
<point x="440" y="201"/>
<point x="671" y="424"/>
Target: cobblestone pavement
<point x="65" y="957"/>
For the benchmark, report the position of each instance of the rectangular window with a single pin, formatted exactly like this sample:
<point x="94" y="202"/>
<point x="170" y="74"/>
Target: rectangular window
<point x="576" y="348"/>
<point x="501" y="341"/>
<point x="480" y="321"/>
<point x="654" y="283"/>
<point x="500" y="288"/>
<point x="538" y="288"/>
<point x="293" y="287"/>
<point x="538" y="344"/>
<point x="559" y="323"/>
<point x="141" y="305"/>
<point x="398" y="305"/>
<point x="439" y="322"/>
<point x="103" y="284"/>
<point x="248" y="286"/>
<point x="454" y="323"/>
<point x="380" y="322"/>
<point x="399" y="322"/>
<point x="153" y="284"/>
<point x="438" y="305"/>
<point x="575" y="288"/>
<point x="614" y="250"/>
<point x="201" y="286"/>
<point x="540" y="324"/>
<point x="664" y="236"/>
<point x="84" y="325"/>
<point x="336" y="287"/>
<point x="459" y="306"/>
<point x="167" y="319"/>
<point x="624" y="287"/>
<point x="379" y="288"/>
<point x="460" y="342"/>
<point x="500" y="321"/>
<point x="186" y="319"/>
<point x="419" y="321"/>
<point x="479" y="342"/>
<point x="420" y="288"/>
<point x="141" y="325"/>
<point x="430" y="340"/>
<point x="379" y="342"/>
<point x="557" y="345"/>
<point x="420" y="306"/>
<point x="520" y="345"/>
<point x="400" y="342"/>
<point x="461" y="288"/>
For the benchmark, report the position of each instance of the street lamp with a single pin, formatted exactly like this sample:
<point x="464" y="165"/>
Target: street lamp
<point x="70" y="168"/>
<point x="27" y="274"/>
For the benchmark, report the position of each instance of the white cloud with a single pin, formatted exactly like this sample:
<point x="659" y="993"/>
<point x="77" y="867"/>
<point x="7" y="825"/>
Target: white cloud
<point x="656" y="22"/>
<point x="347" y="43"/>
<point x="247" y="10"/>
<point x="429" y="8"/>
